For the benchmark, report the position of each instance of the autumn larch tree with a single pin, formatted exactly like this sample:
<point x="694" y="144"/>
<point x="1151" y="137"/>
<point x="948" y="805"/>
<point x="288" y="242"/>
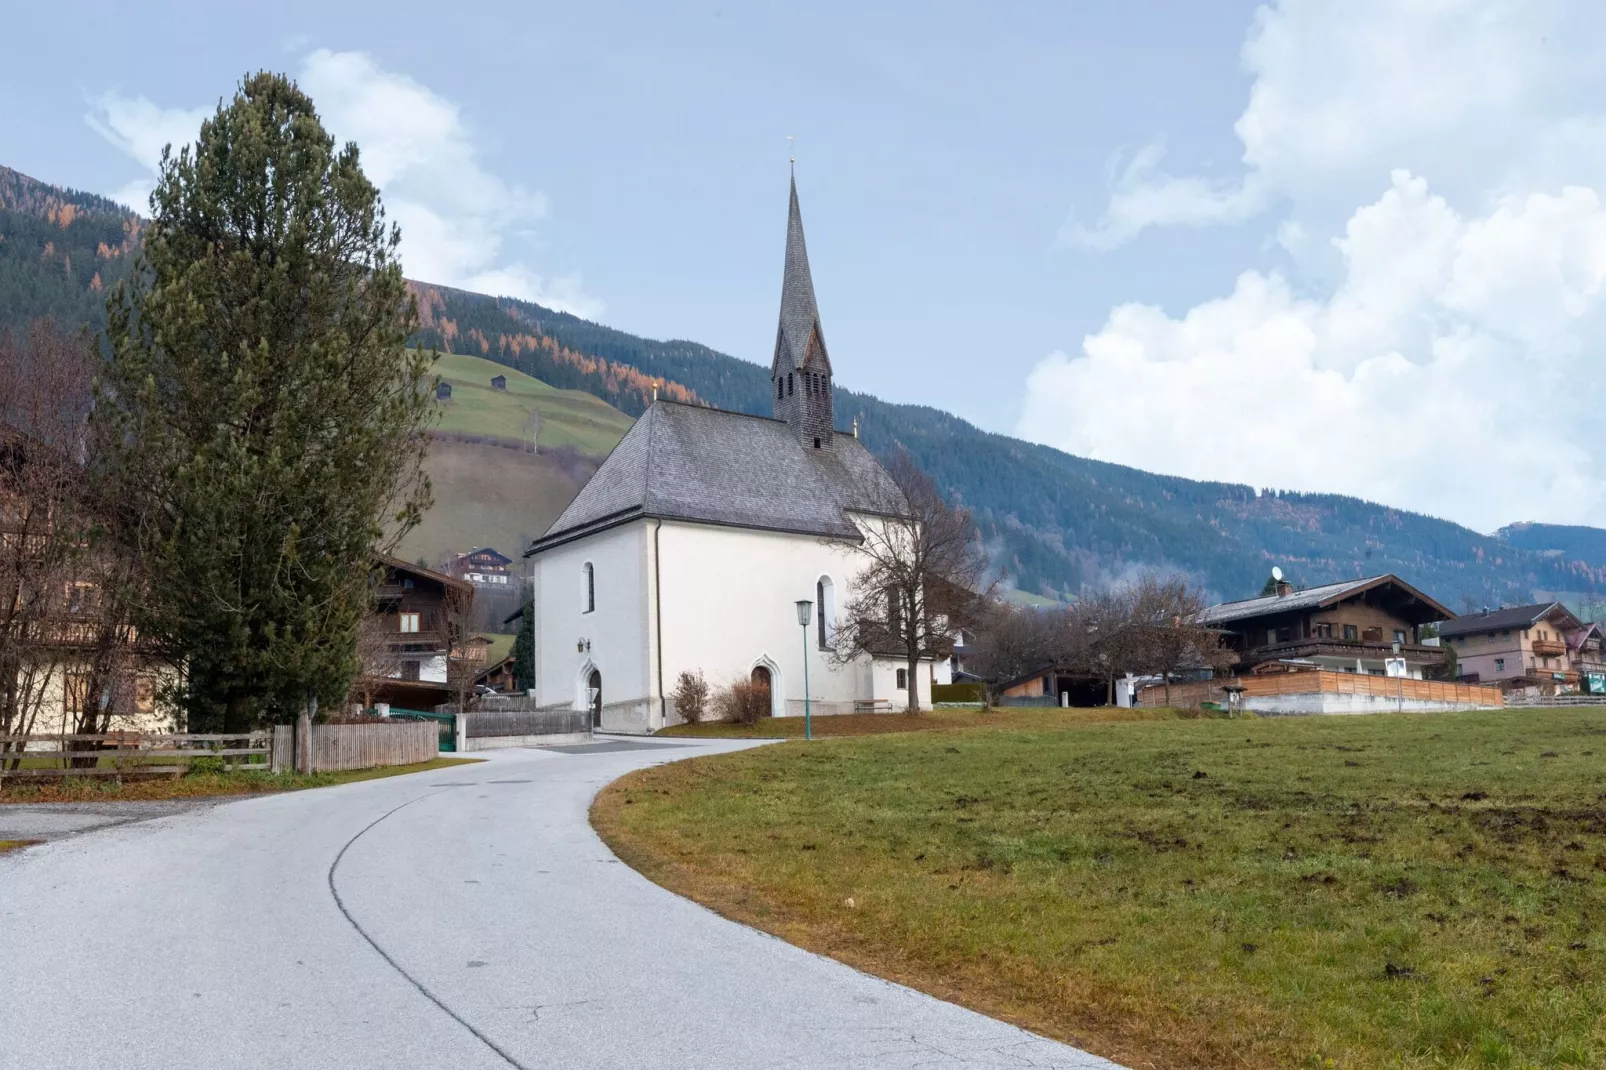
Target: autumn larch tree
<point x="258" y="409"/>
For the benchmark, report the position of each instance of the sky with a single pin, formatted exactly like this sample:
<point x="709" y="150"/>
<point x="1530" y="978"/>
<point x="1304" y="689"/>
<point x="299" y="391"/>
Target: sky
<point x="1354" y="246"/>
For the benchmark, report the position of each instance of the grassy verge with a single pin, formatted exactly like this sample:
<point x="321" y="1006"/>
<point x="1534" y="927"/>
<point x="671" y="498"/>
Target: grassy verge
<point x="1384" y="891"/>
<point x="86" y="789"/>
<point x="875" y="724"/>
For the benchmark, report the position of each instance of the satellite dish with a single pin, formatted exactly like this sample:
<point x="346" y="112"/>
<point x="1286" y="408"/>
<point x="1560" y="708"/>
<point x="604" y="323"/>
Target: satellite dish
<point x="1277" y="573"/>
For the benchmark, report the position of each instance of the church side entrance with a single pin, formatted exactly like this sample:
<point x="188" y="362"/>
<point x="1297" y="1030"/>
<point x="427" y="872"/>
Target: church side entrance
<point x="594" y="691"/>
<point x="761" y="678"/>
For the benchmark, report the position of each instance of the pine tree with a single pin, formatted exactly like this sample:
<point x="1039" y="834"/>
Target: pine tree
<point x="258" y="415"/>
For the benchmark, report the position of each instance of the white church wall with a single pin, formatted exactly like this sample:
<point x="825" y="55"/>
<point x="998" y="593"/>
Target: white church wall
<point x="729" y="599"/>
<point x="611" y="638"/>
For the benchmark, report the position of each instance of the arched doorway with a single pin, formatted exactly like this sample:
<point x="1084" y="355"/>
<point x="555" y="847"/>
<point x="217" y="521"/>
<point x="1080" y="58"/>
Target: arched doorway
<point x="762" y="677"/>
<point x="594" y="695"/>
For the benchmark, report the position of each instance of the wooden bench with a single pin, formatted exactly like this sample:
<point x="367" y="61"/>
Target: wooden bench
<point x="872" y="705"/>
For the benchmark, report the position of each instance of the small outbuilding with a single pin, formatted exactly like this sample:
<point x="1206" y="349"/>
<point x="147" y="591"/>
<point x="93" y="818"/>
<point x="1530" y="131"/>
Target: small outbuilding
<point x="499" y="382"/>
<point x="443" y="391"/>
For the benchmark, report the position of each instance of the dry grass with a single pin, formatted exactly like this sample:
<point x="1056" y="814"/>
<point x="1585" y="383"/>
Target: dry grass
<point x="195" y="785"/>
<point x="1387" y="891"/>
<point x="875" y="724"/>
<point x="13" y="845"/>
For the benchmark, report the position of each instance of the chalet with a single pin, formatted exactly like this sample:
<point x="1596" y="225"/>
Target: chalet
<point x="1542" y="649"/>
<point x="409" y="654"/>
<point x="443" y="391"/>
<point x="484" y="567"/>
<point x="498" y="382"/>
<point x="1352" y="647"/>
<point x="1356" y="626"/>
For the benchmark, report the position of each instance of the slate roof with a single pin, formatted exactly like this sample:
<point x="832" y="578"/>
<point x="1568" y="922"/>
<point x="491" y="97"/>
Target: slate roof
<point x="800" y="314"/>
<point x="1312" y="598"/>
<point x="1500" y="619"/>
<point x="687" y="462"/>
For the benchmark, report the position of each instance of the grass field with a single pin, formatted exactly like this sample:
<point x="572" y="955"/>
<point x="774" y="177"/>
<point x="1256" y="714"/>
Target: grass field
<point x="946" y="720"/>
<point x="88" y="789"/>
<point x="1381" y="891"/>
<point x="568" y="417"/>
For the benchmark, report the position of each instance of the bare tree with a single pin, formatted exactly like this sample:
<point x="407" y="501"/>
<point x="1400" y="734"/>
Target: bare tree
<point x="47" y="532"/>
<point x="923" y="577"/>
<point x="377" y="657"/>
<point x="1168" y="636"/>
<point x="461" y="667"/>
<point x="1010" y="643"/>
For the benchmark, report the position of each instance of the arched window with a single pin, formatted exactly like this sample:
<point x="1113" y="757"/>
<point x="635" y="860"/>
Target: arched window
<point x="825" y="612"/>
<point x="591" y="589"/>
<point x="780" y="388"/>
<point x="789" y="388"/>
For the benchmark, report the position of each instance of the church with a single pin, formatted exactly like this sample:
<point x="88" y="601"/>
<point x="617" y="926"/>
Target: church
<point x="691" y="546"/>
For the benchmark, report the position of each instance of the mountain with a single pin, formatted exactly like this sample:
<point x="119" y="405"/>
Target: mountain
<point x="1556" y="540"/>
<point x="1053" y="522"/>
<point x="1058" y="522"/>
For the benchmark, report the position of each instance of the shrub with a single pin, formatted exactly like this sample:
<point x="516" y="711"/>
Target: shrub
<point x="743" y="702"/>
<point x="205" y="767"/>
<point x="690" y="696"/>
<point x="971" y="692"/>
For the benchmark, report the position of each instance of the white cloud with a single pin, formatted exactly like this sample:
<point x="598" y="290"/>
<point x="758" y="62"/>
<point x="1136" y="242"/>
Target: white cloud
<point x="142" y="130"/>
<point x="1451" y="372"/>
<point x="1479" y="94"/>
<point x="1434" y="346"/>
<point x="461" y="225"/>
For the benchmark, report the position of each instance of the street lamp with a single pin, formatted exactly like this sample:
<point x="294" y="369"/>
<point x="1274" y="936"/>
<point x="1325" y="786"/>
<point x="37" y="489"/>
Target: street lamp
<point x="803" y="608"/>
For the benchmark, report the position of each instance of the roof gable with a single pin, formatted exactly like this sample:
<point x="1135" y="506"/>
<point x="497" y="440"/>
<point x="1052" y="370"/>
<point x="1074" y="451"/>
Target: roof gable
<point x="1329" y="594"/>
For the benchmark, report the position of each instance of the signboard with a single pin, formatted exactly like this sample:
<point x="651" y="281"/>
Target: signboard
<point x="1595" y="683"/>
<point x="1394" y="667"/>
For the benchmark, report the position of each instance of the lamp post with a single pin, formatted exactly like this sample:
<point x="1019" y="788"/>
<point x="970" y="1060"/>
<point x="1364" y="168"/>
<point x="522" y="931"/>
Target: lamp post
<point x="803" y="608"/>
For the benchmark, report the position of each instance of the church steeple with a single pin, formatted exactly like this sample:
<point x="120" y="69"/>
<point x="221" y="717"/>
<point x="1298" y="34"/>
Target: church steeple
<point x="800" y="374"/>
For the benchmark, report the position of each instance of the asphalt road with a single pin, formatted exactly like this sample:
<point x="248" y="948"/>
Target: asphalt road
<point x="464" y="918"/>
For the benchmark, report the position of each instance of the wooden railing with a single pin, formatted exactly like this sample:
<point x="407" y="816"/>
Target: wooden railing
<point x="128" y="754"/>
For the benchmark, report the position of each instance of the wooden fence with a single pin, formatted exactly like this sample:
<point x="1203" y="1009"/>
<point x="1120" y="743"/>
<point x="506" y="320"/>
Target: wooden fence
<point x="1196" y="692"/>
<point x="128" y="754"/>
<point x="335" y="747"/>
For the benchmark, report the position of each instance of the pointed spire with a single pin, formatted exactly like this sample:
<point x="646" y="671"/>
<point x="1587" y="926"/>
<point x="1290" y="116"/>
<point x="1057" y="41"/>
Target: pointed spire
<point x="800" y="340"/>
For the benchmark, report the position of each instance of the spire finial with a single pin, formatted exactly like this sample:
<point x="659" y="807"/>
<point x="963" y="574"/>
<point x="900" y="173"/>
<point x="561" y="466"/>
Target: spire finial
<point x="855" y="427"/>
<point x="791" y="152"/>
<point x="655" y="390"/>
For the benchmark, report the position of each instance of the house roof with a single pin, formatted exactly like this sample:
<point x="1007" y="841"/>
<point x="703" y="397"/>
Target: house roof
<point x="427" y="573"/>
<point x="1503" y="618"/>
<point x="1329" y="594"/>
<point x="489" y="554"/>
<point x="687" y="462"/>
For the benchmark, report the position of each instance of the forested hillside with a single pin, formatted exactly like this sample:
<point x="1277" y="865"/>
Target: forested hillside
<point x="60" y="251"/>
<point x="1057" y="522"/>
<point x="1053" y="522"/>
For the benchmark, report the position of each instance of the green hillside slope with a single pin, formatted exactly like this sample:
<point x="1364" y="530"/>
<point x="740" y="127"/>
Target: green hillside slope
<point x="569" y="418"/>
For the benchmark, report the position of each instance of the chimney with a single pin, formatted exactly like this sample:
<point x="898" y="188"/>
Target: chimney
<point x="1284" y="588"/>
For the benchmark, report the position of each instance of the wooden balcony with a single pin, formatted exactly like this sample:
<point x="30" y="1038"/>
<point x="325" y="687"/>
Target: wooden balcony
<point x="1549" y="648"/>
<point x="1317" y="646"/>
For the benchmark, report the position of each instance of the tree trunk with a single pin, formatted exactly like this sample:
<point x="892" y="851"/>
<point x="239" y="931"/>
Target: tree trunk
<point x="1167" y="678"/>
<point x="914" y="683"/>
<point x="237" y="714"/>
<point x="1109" y="690"/>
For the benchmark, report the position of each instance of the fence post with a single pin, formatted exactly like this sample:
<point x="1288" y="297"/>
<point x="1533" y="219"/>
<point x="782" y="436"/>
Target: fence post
<point x="460" y="732"/>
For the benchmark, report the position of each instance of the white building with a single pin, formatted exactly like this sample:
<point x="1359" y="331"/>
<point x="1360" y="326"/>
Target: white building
<point x="688" y="549"/>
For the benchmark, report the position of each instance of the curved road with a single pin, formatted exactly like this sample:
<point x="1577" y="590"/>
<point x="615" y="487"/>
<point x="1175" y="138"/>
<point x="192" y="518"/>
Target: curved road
<point x="466" y="918"/>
